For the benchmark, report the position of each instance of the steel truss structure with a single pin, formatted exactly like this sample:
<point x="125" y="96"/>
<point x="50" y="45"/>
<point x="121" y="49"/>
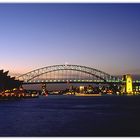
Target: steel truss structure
<point x="91" y="71"/>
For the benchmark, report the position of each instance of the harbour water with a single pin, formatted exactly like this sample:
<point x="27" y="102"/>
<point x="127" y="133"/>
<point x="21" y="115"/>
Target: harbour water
<point x="71" y="116"/>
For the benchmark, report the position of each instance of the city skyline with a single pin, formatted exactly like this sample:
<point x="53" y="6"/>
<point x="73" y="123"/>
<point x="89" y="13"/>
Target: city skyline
<point x="102" y="36"/>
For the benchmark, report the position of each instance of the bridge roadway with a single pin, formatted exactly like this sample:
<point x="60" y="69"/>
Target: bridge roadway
<point x="136" y="83"/>
<point x="73" y="81"/>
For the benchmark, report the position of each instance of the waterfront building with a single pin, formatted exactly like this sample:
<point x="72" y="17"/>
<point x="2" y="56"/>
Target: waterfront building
<point x="8" y="82"/>
<point x="127" y="87"/>
<point x="81" y="89"/>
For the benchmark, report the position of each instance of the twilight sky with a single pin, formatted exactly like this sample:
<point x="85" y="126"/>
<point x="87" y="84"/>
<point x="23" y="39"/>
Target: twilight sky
<point x="102" y="36"/>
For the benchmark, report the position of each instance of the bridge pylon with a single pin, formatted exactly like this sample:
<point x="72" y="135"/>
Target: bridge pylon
<point x="127" y="87"/>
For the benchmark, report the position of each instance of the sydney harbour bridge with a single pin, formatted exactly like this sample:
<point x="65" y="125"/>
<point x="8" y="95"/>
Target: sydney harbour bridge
<point x="57" y="74"/>
<point x="67" y="73"/>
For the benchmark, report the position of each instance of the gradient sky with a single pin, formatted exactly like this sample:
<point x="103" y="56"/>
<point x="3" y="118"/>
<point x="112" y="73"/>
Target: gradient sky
<point x="102" y="36"/>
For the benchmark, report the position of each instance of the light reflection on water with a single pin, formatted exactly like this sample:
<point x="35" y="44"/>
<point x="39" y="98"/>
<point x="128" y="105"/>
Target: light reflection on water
<point x="71" y="116"/>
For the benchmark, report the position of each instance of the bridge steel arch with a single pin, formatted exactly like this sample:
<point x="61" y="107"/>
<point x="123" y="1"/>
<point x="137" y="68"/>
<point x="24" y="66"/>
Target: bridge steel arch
<point x="27" y="77"/>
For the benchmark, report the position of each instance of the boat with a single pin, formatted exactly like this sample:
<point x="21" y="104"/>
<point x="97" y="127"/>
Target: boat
<point x="88" y="94"/>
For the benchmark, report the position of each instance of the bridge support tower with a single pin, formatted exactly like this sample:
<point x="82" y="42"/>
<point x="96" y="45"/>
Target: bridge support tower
<point x="127" y="86"/>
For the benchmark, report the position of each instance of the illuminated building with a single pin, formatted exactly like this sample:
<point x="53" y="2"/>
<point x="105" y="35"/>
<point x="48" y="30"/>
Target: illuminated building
<point x="89" y="89"/>
<point x="127" y="86"/>
<point x="81" y="88"/>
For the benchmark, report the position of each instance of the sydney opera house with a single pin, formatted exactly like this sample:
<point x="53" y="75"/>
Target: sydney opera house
<point x="8" y="82"/>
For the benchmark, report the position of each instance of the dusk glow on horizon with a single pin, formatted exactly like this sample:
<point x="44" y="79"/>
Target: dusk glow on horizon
<point x="101" y="36"/>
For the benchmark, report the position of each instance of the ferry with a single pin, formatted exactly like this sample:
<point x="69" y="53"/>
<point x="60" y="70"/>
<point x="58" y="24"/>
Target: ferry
<point x="83" y="94"/>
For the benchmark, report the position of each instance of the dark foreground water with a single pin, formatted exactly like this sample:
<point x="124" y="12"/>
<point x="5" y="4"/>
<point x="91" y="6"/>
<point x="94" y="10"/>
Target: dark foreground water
<point x="71" y="116"/>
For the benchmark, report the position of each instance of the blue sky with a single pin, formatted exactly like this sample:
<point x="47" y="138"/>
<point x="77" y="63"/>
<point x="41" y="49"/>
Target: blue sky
<point x="102" y="36"/>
